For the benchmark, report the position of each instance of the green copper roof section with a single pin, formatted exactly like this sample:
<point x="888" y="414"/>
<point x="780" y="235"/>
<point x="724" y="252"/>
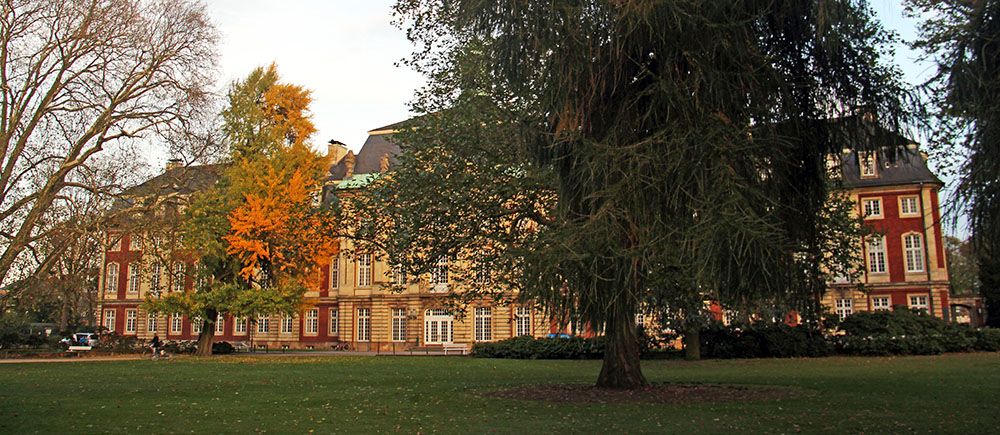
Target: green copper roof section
<point x="358" y="181"/>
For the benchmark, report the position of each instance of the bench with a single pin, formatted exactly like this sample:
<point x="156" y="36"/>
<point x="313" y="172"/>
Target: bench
<point x="78" y="348"/>
<point x="461" y="348"/>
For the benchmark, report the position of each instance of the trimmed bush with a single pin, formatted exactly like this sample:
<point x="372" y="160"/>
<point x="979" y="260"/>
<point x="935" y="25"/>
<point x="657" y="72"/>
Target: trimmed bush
<point x="762" y="340"/>
<point x="901" y="332"/>
<point x="222" y="348"/>
<point x="987" y="340"/>
<point x="526" y="347"/>
<point x="180" y="346"/>
<point x="114" y="343"/>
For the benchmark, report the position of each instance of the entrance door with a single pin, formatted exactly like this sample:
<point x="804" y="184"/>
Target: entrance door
<point x="438" y="327"/>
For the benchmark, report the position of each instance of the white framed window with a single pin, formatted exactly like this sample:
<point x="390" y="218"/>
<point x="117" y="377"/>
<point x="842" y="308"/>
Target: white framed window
<point x="640" y="320"/>
<point x="335" y="272"/>
<point x="287" y="323"/>
<point x="881" y="303"/>
<point x="919" y="302"/>
<point x="913" y="251"/>
<point x="844" y="307"/>
<point x="178" y="277"/>
<point x="522" y="321"/>
<point x="872" y="207"/>
<point x="133" y="277"/>
<point x="876" y="254"/>
<point x="908" y="206"/>
<point x="364" y="270"/>
<point x="869" y="164"/>
<point x="111" y="279"/>
<point x="109" y="320"/>
<point x="484" y="324"/>
<point x="364" y="324"/>
<point x="482" y="273"/>
<point x="135" y="242"/>
<point x="131" y="321"/>
<point x="439" y="326"/>
<point x="399" y="324"/>
<point x="220" y="323"/>
<point x="398" y="275"/>
<point x="150" y="322"/>
<point x="154" y="278"/>
<point x="196" y="325"/>
<point x="439" y="274"/>
<point x="176" y="322"/>
<point x="312" y="321"/>
<point x="114" y="242"/>
<point x="334" y="321"/>
<point x="240" y="325"/>
<point x="263" y="324"/>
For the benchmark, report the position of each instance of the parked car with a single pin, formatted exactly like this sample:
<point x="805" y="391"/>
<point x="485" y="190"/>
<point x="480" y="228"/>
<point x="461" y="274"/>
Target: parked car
<point x="559" y="335"/>
<point x="80" y="339"/>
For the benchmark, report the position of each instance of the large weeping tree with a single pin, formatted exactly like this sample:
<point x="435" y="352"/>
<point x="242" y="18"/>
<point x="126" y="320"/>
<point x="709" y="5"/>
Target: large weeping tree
<point x="656" y="152"/>
<point x="963" y="38"/>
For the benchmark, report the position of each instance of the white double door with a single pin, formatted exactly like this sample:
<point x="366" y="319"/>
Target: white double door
<point x="439" y="327"/>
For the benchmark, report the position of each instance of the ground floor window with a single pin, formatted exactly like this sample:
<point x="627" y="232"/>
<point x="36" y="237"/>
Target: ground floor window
<point x="312" y="321"/>
<point x="240" y="325"/>
<point x="220" y="323"/>
<point x="364" y="324"/>
<point x="286" y="324"/>
<point x="919" y="302"/>
<point x="334" y="321"/>
<point x="881" y="303"/>
<point x="151" y="322"/>
<point x="131" y="321"/>
<point x="439" y="327"/>
<point x="175" y="323"/>
<point x="263" y="324"/>
<point x="484" y="324"/>
<point x="196" y="325"/>
<point x="399" y="324"/>
<point x="109" y="320"/>
<point x="522" y="321"/>
<point x="844" y="307"/>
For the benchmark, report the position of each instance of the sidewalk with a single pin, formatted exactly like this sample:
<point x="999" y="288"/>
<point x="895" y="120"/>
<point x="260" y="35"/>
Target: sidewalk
<point x="73" y="359"/>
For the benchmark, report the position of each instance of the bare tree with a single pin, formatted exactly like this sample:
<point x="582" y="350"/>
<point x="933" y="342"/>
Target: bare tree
<point x="80" y="77"/>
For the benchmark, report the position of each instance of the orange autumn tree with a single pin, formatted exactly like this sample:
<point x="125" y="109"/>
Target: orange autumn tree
<point x="258" y="240"/>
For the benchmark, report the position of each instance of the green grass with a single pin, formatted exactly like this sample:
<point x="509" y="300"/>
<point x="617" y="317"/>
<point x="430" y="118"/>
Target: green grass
<point x="947" y="393"/>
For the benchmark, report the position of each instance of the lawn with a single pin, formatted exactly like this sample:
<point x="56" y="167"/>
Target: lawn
<point x="949" y="393"/>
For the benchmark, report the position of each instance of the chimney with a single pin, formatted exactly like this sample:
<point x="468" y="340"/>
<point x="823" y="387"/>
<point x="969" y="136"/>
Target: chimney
<point x="349" y="164"/>
<point x="173" y="163"/>
<point x="335" y="150"/>
<point x="383" y="163"/>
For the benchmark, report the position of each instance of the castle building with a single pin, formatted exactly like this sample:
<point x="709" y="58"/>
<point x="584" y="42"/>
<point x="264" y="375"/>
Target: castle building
<point x="894" y="190"/>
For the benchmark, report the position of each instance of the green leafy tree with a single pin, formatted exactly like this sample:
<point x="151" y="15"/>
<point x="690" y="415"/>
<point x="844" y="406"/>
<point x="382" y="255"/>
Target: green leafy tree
<point x="963" y="39"/>
<point x="645" y="151"/>
<point x="255" y="239"/>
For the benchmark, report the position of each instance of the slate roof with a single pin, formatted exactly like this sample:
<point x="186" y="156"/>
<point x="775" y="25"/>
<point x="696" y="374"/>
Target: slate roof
<point x="369" y="159"/>
<point x="896" y="166"/>
<point x="183" y="181"/>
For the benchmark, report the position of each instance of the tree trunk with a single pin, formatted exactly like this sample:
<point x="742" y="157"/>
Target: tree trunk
<point x="692" y="343"/>
<point x="206" y="338"/>
<point x="621" y="367"/>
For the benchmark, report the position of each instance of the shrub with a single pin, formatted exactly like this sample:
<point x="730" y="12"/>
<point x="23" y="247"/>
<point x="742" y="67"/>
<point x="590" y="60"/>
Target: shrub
<point x="222" y="348"/>
<point x="901" y="332"/>
<point x="114" y="343"/>
<point x="526" y="347"/>
<point x="762" y="340"/>
<point x="180" y="346"/>
<point x="987" y="340"/>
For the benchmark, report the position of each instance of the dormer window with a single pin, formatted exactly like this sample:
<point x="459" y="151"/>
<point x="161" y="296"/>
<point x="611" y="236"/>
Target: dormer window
<point x="869" y="165"/>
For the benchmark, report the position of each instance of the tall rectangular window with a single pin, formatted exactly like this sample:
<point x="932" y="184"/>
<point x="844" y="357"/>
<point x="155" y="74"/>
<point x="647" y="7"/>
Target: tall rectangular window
<point x="240" y="325"/>
<point x="364" y="324"/>
<point x="133" y="277"/>
<point x="876" y="254"/>
<point x="484" y="324"/>
<point x="131" y="321"/>
<point x="178" y="277"/>
<point x="439" y="274"/>
<point x="151" y="322"/>
<point x="872" y="208"/>
<point x="869" y="164"/>
<point x="196" y="325"/>
<point x="334" y="321"/>
<point x="913" y="248"/>
<point x="111" y="279"/>
<point x="335" y="273"/>
<point x="135" y="242"/>
<point x="919" y="302"/>
<point x="364" y="270"/>
<point x="312" y="321"/>
<point x="844" y="307"/>
<point x="176" y="323"/>
<point x="154" y="278"/>
<point x="109" y="320"/>
<point x="399" y="324"/>
<point x="287" y="323"/>
<point x="263" y="324"/>
<point x="398" y="275"/>
<point x="908" y="206"/>
<point x="522" y="321"/>
<point x="881" y="303"/>
<point x="220" y="323"/>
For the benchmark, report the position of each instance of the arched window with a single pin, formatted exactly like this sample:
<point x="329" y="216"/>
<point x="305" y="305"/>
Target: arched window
<point x="913" y="250"/>
<point x="111" y="279"/>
